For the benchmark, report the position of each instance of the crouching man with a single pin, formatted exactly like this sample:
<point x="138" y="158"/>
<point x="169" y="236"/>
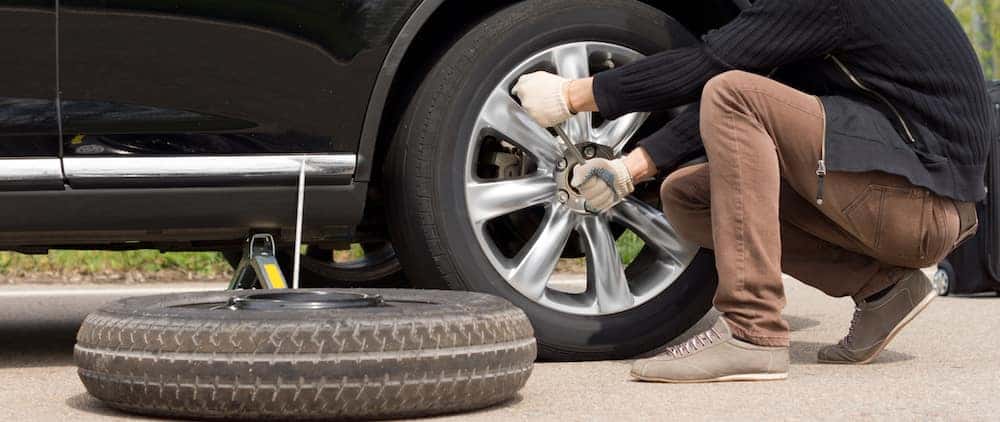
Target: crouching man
<point x="846" y="145"/>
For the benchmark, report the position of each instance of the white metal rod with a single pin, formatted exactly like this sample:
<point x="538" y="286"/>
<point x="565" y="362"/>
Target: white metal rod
<point x="297" y="252"/>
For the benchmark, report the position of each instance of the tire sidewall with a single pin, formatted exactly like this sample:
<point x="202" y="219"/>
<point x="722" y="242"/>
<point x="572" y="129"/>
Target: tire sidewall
<point x="420" y="353"/>
<point x="489" y="52"/>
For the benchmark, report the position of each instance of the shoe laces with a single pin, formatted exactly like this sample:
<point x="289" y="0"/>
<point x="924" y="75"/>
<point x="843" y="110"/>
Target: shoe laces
<point x="846" y="341"/>
<point x="693" y="344"/>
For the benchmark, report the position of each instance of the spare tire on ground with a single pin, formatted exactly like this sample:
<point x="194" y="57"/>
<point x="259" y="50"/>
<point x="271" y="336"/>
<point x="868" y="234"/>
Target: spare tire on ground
<point x="305" y="354"/>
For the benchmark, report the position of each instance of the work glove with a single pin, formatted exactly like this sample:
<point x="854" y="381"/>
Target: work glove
<point x="603" y="183"/>
<point x="543" y="96"/>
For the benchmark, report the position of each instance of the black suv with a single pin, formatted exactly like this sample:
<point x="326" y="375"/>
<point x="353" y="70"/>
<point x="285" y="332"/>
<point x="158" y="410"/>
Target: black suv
<point x="182" y="125"/>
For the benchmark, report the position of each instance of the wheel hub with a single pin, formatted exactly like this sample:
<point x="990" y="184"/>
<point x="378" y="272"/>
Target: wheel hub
<point x="566" y="194"/>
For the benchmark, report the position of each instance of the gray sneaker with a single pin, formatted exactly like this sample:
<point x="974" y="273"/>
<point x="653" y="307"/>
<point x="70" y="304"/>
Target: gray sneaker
<point x="714" y="356"/>
<point x="876" y="323"/>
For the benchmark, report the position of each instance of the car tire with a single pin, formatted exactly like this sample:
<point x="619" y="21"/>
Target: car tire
<point x="943" y="278"/>
<point x="425" y="167"/>
<point x="282" y="356"/>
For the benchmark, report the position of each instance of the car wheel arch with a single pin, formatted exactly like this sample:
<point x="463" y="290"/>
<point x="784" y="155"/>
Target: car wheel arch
<point x="389" y="96"/>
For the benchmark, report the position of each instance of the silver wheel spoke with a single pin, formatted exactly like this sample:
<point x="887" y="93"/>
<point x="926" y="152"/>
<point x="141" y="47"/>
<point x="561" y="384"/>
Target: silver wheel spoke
<point x="608" y="289"/>
<point x="650" y="224"/>
<point x="572" y="62"/>
<point x="534" y="265"/>
<point x="488" y="200"/>
<point x="605" y="270"/>
<point x="579" y="128"/>
<point x="504" y="115"/>
<point x="616" y="133"/>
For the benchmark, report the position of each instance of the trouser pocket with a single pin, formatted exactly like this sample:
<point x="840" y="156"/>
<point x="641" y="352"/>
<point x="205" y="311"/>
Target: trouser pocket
<point x="968" y="222"/>
<point x="892" y="221"/>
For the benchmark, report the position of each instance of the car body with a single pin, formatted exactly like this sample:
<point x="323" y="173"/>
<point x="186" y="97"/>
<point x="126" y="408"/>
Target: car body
<point x="180" y="125"/>
<point x="185" y="124"/>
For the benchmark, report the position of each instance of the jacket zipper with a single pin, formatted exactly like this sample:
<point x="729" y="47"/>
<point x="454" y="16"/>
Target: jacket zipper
<point x="821" y="164"/>
<point x="857" y="82"/>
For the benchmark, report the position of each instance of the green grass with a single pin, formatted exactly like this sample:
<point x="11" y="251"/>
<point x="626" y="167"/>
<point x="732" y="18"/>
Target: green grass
<point x="629" y="246"/>
<point x="201" y="264"/>
<point x="204" y="264"/>
<point x="66" y="264"/>
<point x="356" y="252"/>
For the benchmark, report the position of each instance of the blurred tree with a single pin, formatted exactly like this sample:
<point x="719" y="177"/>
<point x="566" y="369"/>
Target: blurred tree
<point x="981" y="19"/>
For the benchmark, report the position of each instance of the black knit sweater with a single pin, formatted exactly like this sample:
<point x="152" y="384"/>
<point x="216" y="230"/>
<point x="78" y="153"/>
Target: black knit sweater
<point x="913" y="53"/>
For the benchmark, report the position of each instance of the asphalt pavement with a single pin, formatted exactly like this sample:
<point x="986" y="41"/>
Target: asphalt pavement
<point x="944" y="366"/>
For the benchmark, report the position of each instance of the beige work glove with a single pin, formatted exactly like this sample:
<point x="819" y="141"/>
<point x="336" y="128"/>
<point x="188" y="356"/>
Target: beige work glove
<point x="543" y="96"/>
<point x="604" y="183"/>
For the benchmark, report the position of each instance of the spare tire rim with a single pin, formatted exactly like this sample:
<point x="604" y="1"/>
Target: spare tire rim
<point x="611" y="287"/>
<point x="291" y="300"/>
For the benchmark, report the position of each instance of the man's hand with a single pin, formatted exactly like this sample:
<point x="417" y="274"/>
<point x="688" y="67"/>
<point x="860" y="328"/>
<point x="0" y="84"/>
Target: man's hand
<point x="604" y="183"/>
<point x="543" y="96"/>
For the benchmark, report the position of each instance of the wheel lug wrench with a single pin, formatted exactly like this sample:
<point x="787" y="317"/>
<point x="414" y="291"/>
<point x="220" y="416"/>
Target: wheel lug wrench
<point x="574" y="152"/>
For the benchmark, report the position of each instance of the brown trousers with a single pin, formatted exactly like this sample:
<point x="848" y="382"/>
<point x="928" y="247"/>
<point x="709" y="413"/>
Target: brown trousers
<point x="754" y="203"/>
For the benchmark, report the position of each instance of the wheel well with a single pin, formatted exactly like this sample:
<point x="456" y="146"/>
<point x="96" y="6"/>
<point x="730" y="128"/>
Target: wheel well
<point x="449" y="21"/>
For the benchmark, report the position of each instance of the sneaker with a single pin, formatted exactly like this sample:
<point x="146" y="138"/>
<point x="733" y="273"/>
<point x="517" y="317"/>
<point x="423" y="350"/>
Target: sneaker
<point x="875" y="323"/>
<point x="714" y="356"/>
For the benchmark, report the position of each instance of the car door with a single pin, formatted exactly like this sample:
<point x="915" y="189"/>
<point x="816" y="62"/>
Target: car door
<point x="159" y="85"/>
<point x="189" y="120"/>
<point x="29" y="141"/>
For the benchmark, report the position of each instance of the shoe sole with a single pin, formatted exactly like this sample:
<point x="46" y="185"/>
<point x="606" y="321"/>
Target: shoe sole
<point x="727" y="378"/>
<point x="892" y="334"/>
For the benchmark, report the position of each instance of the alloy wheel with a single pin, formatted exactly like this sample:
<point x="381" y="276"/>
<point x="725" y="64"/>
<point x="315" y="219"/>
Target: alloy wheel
<point x="526" y="217"/>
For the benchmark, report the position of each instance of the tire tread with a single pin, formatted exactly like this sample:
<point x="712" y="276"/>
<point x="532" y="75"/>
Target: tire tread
<point x="158" y="363"/>
<point x="416" y="167"/>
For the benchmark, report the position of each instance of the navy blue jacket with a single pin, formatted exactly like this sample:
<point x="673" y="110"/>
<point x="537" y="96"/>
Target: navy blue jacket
<point x="927" y="117"/>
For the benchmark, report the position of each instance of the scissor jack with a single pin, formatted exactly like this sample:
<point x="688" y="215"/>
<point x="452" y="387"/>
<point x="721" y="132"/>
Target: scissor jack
<point x="258" y="264"/>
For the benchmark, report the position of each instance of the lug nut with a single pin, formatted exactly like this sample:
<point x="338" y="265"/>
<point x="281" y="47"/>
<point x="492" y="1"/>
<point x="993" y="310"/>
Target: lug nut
<point x="589" y="152"/>
<point x="563" y="196"/>
<point x="562" y="164"/>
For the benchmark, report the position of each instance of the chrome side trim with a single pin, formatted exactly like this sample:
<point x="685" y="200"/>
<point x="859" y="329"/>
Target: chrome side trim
<point x="30" y="174"/>
<point x="207" y="171"/>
